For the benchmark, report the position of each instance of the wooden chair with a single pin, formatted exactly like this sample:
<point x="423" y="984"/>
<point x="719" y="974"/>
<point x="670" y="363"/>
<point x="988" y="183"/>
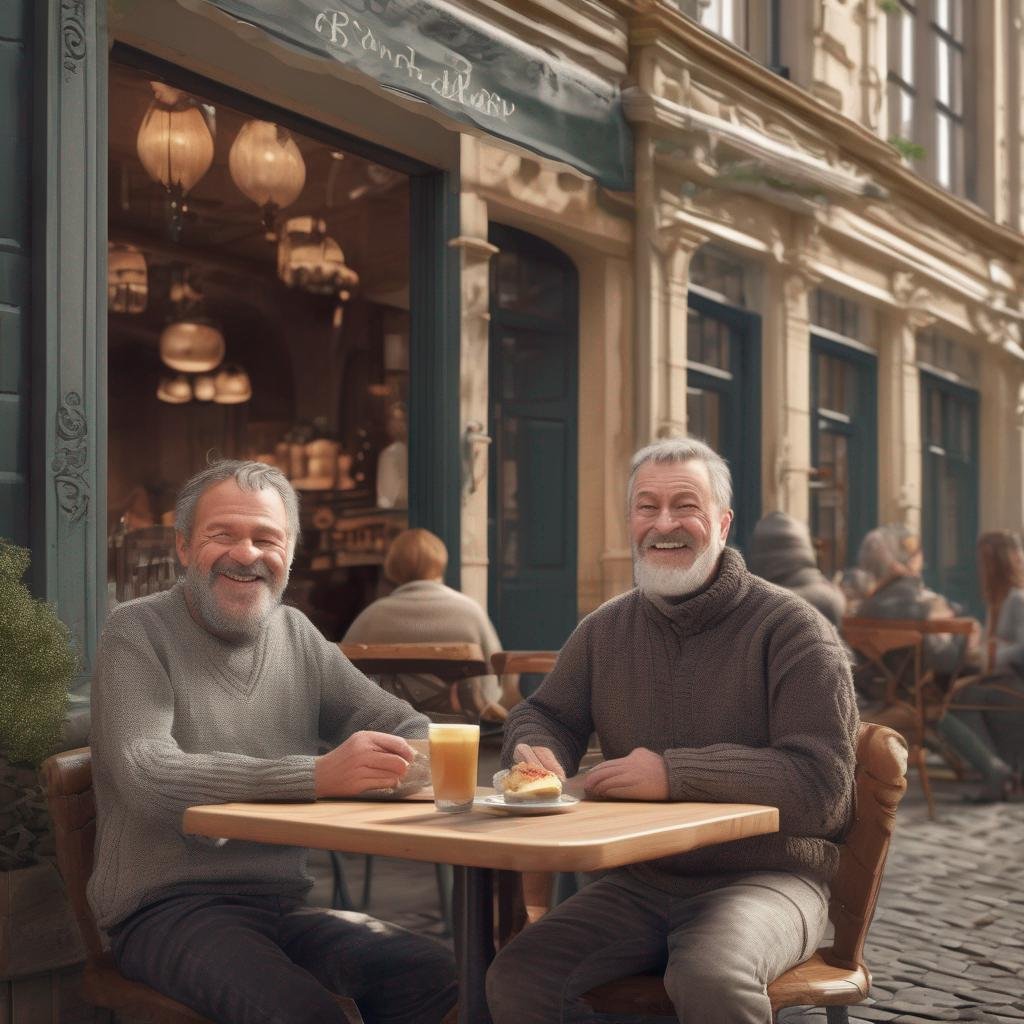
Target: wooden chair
<point x="910" y="688"/>
<point x="450" y="668"/>
<point x="835" y="976"/>
<point x="520" y="663"/>
<point x="72" y="807"/>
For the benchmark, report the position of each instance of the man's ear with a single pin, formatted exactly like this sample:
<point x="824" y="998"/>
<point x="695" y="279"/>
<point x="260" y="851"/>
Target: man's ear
<point x="181" y="546"/>
<point x="725" y="523"/>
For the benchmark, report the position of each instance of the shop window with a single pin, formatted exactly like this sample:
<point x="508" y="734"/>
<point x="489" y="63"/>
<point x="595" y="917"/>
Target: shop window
<point x="719" y="275"/>
<point x="949" y="506"/>
<point x="722" y="402"/>
<point x="940" y="354"/>
<point x="930" y="119"/>
<point x="843" y="450"/>
<point x="258" y="308"/>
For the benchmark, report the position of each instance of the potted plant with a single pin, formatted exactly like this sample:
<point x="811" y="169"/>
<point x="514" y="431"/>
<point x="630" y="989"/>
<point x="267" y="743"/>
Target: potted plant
<point x="37" y="663"/>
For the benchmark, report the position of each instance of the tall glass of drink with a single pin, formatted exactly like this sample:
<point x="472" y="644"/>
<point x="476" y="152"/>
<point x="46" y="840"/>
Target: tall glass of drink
<point x="453" y="756"/>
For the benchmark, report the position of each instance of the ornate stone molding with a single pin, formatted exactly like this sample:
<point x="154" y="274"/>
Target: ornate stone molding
<point x="73" y="39"/>
<point x="913" y="298"/>
<point x="996" y="330"/>
<point x="71" y="458"/>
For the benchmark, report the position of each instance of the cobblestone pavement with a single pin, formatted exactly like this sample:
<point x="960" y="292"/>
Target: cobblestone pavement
<point x="947" y="941"/>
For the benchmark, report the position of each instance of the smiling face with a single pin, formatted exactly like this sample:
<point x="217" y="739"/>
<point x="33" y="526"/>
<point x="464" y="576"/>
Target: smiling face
<point x="236" y="560"/>
<point x="675" y="529"/>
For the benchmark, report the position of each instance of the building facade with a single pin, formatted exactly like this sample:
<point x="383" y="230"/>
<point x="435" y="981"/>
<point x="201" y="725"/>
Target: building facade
<point x="811" y="256"/>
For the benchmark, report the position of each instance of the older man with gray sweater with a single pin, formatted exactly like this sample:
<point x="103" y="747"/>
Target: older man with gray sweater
<point x="213" y="691"/>
<point x="704" y="683"/>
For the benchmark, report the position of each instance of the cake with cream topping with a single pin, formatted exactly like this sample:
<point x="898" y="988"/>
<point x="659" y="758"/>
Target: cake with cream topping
<point x="526" y="783"/>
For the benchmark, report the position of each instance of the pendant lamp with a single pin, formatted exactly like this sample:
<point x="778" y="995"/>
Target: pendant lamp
<point x="204" y="388"/>
<point x="309" y="259"/>
<point x="175" y="145"/>
<point x="174" y="390"/>
<point x="266" y="165"/>
<point x="232" y="386"/>
<point x="191" y="346"/>
<point x="127" y="279"/>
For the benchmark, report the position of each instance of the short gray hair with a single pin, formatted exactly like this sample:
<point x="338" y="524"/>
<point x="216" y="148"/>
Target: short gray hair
<point x="250" y="476"/>
<point x="685" y="449"/>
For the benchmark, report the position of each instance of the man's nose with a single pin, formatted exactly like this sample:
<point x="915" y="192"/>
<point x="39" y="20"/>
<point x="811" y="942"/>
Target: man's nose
<point x="666" y="521"/>
<point x="245" y="552"/>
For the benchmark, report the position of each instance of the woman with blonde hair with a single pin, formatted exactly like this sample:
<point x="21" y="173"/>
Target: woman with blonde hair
<point x="421" y="609"/>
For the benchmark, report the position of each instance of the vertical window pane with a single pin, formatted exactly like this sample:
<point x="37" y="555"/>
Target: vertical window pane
<point x="906" y="121"/>
<point x="942" y="13"/>
<point x="704" y="416"/>
<point x="943" y="150"/>
<point x="906" y="65"/>
<point x="943" y="71"/>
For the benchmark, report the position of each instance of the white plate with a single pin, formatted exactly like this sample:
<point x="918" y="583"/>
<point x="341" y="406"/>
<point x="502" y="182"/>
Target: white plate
<point x="496" y="804"/>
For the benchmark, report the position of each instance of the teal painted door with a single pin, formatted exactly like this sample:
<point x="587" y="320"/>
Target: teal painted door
<point x="949" y="505"/>
<point x="15" y="257"/>
<point x="533" y="423"/>
<point x="844" y="451"/>
<point x="723" y="403"/>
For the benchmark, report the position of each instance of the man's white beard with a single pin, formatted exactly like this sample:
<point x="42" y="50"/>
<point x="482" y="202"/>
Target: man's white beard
<point x="669" y="581"/>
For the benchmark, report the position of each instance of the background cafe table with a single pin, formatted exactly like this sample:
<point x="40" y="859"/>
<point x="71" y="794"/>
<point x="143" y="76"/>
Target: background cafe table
<point x="594" y="835"/>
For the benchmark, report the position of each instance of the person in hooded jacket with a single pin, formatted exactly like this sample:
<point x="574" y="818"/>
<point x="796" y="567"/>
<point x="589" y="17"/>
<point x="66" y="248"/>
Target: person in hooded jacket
<point x="781" y="552"/>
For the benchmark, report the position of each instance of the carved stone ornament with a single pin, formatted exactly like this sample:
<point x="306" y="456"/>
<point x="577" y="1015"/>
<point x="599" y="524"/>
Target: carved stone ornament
<point x="913" y="299"/>
<point x="71" y="457"/>
<point x="995" y="329"/>
<point x="72" y="33"/>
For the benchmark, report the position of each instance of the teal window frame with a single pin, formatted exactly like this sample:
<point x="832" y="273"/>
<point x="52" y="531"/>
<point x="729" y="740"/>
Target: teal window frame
<point x="742" y="425"/>
<point x="861" y="432"/>
<point x="961" y="584"/>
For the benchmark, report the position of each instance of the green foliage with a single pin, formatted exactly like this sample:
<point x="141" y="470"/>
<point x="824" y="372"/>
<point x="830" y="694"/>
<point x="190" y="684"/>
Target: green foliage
<point x="907" y="148"/>
<point x="889" y="6"/>
<point x="37" y="663"/>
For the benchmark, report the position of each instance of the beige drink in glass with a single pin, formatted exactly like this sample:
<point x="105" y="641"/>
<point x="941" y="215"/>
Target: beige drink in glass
<point x="453" y="756"/>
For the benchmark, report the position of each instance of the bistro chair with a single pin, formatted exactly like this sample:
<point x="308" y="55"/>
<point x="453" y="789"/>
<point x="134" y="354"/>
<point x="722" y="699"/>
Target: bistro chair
<point x="452" y="669"/>
<point x="836" y="976"/>
<point x="912" y="691"/>
<point x="522" y="663"/>
<point x="72" y="805"/>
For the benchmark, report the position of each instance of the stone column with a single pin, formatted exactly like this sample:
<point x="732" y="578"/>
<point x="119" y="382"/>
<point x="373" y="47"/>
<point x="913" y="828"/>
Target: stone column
<point x="475" y="254"/>
<point x="899" y="407"/>
<point x="786" y="389"/>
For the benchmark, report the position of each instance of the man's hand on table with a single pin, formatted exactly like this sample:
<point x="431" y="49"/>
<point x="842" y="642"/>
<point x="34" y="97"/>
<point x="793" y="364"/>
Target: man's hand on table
<point x="640" y="775"/>
<point x="366" y="760"/>
<point x="541" y="756"/>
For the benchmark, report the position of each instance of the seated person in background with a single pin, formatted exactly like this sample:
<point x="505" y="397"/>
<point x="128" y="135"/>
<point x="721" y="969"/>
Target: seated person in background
<point x="215" y="691"/>
<point x="892" y="555"/>
<point x="703" y="683"/>
<point x="781" y="553"/>
<point x="1001" y="569"/>
<point x="421" y="609"/>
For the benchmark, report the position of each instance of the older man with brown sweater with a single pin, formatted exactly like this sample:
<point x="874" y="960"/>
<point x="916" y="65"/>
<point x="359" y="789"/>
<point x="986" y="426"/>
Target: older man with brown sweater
<point x="703" y="683"/>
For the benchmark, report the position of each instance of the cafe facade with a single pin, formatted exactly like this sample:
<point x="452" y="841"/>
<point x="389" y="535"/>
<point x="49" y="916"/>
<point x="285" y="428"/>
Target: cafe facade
<point x="448" y="265"/>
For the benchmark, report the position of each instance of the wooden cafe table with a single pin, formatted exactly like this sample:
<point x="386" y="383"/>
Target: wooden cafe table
<point x="591" y="836"/>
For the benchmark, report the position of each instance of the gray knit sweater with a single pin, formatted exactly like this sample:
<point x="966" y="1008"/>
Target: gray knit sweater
<point x="181" y="718"/>
<point x="744" y="690"/>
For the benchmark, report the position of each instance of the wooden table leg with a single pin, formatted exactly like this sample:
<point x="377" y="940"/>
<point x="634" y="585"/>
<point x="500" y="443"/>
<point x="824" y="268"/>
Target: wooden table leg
<point x="473" y="909"/>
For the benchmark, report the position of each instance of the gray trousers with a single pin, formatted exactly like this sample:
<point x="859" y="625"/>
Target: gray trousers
<point x="717" y="950"/>
<point x="271" y="960"/>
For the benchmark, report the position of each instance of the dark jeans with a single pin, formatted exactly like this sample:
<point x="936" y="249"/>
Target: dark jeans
<point x="1001" y="730"/>
<point x="273" y="960"/>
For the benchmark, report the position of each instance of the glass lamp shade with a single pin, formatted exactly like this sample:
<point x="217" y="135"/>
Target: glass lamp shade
<point x="174" y="143"/>
<point x="232" y="386"/>
<point x="127" y="280"/>
<point x="174" y="390"/>
<point x="309" y="259"/>
<point x="204" y="388"/>
<point x="191" y="346"/>
<point x="266" y="165"/>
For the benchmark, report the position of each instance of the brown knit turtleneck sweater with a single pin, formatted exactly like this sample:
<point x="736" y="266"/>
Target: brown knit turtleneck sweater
<point x="744" y="690"/>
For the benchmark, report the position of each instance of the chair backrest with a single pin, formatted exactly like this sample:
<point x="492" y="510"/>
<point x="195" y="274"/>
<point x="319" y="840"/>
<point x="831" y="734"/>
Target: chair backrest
<point x="448" y="671"/>
<point x="879" y="784"/>
<point x="873" y="644"/>
<point x="69" y="796"/>
<point x="537" y="662"/>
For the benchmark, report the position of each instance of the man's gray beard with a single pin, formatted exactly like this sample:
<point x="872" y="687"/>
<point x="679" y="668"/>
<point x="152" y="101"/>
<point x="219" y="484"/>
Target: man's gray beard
<point x="666" y="581"/>
<point x="235" y="629"/>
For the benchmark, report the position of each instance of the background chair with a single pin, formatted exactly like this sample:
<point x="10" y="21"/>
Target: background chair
<point x="912" y="692"/>
<point x="453" y="667"/>
<point x="69" y="795"/>
<point x="530" y="666"/>
<point x="835" y="976"/>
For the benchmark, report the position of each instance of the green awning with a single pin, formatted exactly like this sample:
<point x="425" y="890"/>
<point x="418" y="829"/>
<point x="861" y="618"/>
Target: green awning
<point x="474" y="71"/>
